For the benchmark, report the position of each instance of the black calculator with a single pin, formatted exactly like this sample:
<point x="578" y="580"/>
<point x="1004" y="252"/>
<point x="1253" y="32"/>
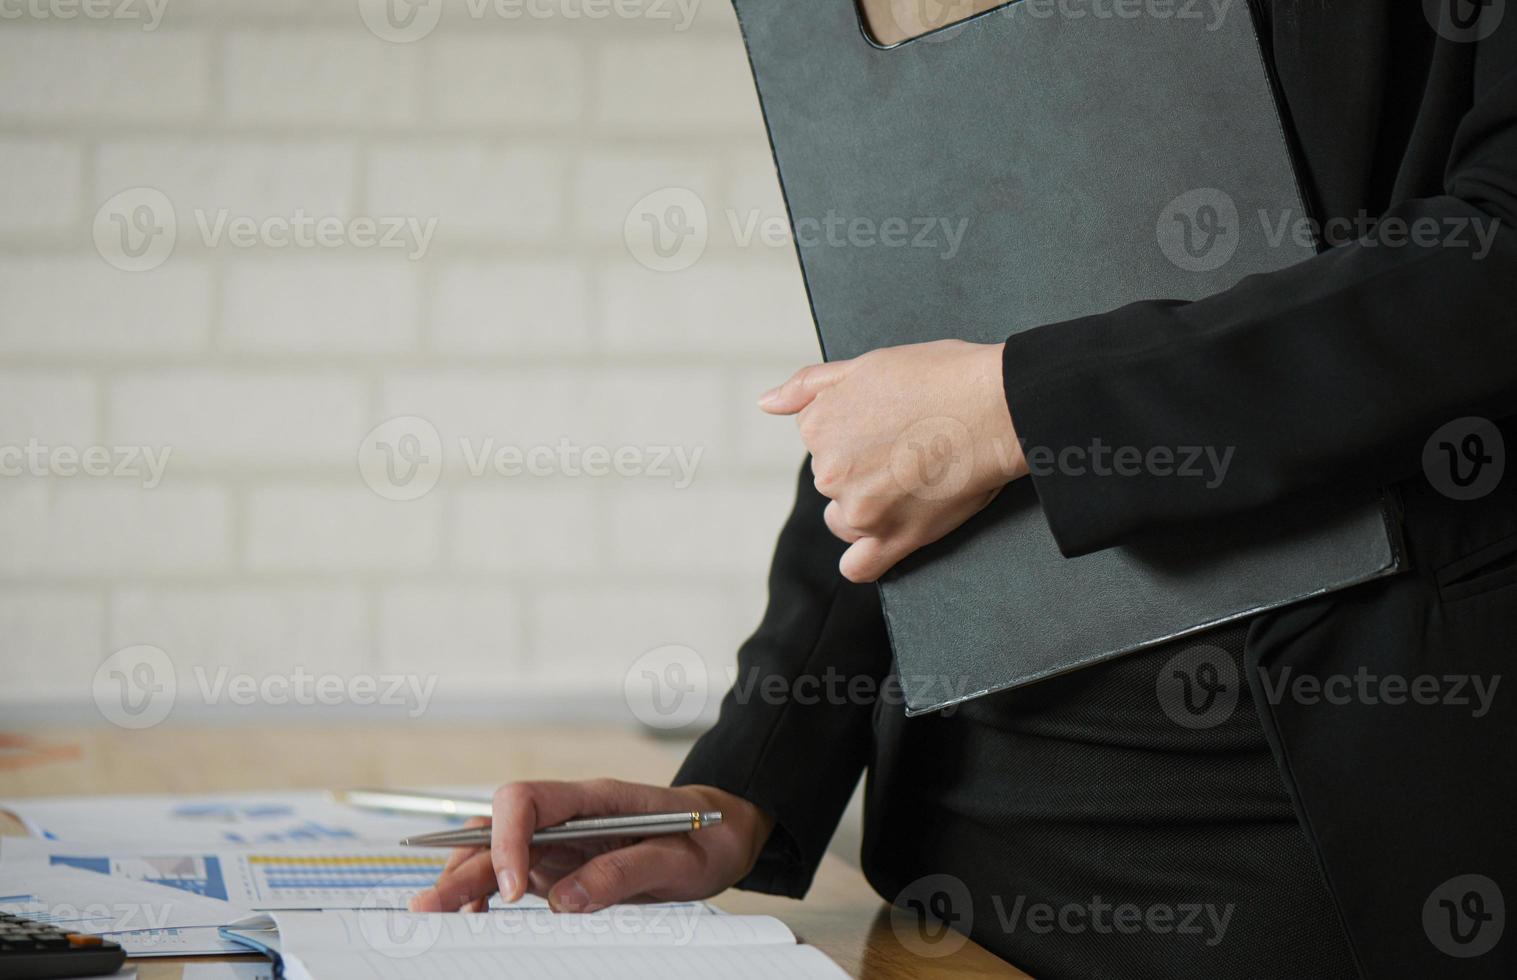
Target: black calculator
<point x="31" y="950"/>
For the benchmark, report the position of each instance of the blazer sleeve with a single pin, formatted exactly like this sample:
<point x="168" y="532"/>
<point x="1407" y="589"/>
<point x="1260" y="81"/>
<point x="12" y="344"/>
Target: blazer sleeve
<point x="796" y="728"/>
<point x="1331" y="373"/>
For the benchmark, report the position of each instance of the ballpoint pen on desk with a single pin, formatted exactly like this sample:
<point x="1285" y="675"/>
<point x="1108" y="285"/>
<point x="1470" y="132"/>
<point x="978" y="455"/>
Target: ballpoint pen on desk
<point x="401" y="801"/>
<point x="586" y="828"/>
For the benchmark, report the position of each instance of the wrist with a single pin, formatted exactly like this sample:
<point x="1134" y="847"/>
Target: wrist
<point x="998" y="453"/>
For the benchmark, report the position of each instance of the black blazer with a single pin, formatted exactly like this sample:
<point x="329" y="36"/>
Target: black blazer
<point x="1329" y="375"/>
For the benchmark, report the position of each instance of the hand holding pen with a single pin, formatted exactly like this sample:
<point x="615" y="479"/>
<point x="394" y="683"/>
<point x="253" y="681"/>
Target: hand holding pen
<point x="640" y="825"/>
<point x="579" y="868"/>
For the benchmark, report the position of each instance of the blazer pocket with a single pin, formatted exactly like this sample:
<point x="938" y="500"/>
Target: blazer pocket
<point x="1491" y="567"/>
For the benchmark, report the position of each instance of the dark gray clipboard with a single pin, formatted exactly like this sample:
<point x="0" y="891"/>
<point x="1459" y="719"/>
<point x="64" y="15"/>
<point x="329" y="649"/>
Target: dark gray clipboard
<point x="1063" y="140"/>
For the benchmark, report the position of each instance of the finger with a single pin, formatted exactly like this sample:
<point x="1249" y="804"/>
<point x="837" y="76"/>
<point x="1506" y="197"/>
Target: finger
<point x="462" y="854"/>
<point x="473" y="879"/>
<point x="625" y="873"/>
<point x="521" y="808"/>
<point x="833" y="516"/>
<point x="518" y="810"/>
<point x="540" y="881"/>
<point x="429" y="897"/>
<point x="557" y="860"/>
<point x="869" y="558"/>
<point x="797" y="393"/>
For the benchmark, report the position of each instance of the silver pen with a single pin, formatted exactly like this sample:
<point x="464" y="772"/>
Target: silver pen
<point x="400" y="801"/>
<point x="585" y="828"/>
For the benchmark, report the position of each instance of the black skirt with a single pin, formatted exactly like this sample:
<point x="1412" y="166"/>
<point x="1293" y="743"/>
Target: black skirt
<point x="1124" y="821"/>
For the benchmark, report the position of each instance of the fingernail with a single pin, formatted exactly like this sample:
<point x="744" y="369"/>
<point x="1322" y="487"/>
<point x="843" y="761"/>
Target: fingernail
<point x="574" y="899"/>
<point x="769" y="396"/>
<point x="420" y="899"/>
<point x="507" y="882"/>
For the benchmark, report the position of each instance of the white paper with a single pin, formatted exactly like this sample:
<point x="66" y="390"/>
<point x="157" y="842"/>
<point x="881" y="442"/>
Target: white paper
<point x="262" y="970"/>
<point x="304" y="818"/>
<point x="146" y="919"/>
<point x="405" y="933"/>
<point x="85" y="902"/>
<point x="699" y="963"/>
<point x="255" y="878"/>
<point x="199" y="941"/>
<point x="625" y="942"/>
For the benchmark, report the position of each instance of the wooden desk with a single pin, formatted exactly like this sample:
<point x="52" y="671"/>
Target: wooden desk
<point x="842" y="915"/>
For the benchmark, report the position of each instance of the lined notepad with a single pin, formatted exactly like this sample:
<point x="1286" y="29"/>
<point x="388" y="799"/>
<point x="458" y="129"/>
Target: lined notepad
<point x="633" y="942"/>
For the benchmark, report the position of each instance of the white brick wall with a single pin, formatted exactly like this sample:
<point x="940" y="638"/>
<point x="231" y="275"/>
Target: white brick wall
<point x="469" y="636"/>
<point x="77" y="307"/>
<point x="247" y="629"/>
<point x="526" y="323"/>
<point x="53" y="639"/>
<point x="319" y="77"/>
<point x="315" y="305"/>
<point x="532" y="530"/>
<point x="342" y="530"/>
<point x="666" y="96"/>
<point x="632" y="619"/>
<point x="760" y="309"/>
<point x="496" y="81"/>
<point x="52" y="407"/>
<point x="41" y="189"/>
<point x="205" y="177"/>
<point x="78" y="529"/>
<point x="59" y="71"/>
<point x="506" y="306"/>
<point x="212" y="417"/>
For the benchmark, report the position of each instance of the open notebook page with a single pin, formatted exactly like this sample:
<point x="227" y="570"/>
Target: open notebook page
<point x="407" y="934"/>
<point x="657" y="943"/>
<point x="577" y="963"/>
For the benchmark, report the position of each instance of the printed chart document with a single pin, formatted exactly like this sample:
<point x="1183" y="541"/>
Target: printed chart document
<point x="145" y="918"/>
<point x="253" y="879"/>
<point x="632" y="942"/>
<point x="221" y="820"/>
<point x="167" y="901"/>
<point x="228" y="971"/>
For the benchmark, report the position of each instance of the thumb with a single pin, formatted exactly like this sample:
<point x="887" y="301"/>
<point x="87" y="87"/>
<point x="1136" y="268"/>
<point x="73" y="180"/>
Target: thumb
<point x="803" y="386"/>
<point x="869" y="558"/>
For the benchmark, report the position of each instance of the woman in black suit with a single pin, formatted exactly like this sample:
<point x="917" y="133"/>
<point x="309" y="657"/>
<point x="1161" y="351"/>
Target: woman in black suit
<point x="1306" y="834"/>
